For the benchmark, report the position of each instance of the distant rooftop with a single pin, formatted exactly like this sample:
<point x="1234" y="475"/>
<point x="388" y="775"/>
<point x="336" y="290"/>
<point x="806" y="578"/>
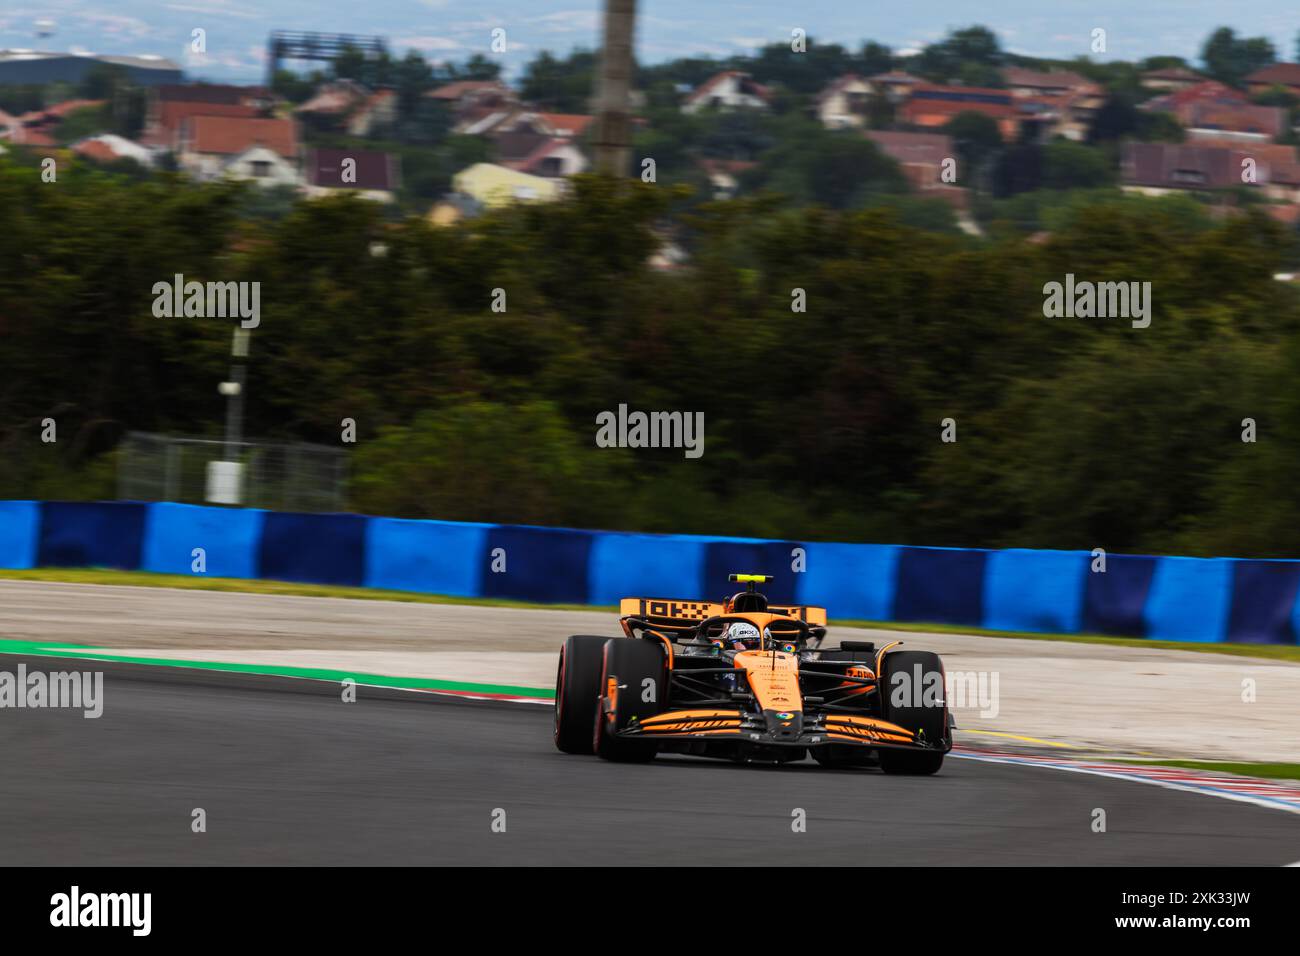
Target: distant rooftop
<point x="146" y="61"/>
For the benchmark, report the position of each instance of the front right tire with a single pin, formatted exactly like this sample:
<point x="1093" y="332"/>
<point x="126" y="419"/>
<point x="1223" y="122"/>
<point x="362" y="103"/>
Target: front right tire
<point x="631" y="669"/>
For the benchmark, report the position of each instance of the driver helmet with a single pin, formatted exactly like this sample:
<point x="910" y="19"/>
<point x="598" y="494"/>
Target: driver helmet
<point x="741" y="636"/>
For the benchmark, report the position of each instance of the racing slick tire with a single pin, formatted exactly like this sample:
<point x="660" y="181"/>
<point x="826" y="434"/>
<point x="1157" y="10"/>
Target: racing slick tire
<point x="914" y="714"/>
<point x="628" y="664"/>
<point x="577" y="686"/>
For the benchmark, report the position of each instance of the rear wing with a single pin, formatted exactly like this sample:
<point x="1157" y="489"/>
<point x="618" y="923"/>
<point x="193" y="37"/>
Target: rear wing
<point x="670" y="610"/>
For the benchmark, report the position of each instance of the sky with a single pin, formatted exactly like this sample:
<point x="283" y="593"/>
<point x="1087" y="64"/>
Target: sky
<point x="236" y="30"/>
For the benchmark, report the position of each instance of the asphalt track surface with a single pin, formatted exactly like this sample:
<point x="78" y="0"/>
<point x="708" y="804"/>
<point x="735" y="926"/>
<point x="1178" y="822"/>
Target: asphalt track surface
<point x="287" y="773"/>
<point x="1098" y="697"/>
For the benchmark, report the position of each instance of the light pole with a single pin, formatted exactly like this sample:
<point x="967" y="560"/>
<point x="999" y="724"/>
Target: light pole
<point x="612" y="140"/>
<point x="225" y="477"/>
<point x="234" y="392"/>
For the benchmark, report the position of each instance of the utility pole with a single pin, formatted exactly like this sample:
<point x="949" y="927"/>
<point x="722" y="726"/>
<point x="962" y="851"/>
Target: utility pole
<point x="234" y="392"/>
<point x="225" y="478"/>
<point x="612" y="137"/>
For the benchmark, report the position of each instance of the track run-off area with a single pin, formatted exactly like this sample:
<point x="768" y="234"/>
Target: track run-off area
<point x="288" y="772"/>
<point x="285" y="772"/>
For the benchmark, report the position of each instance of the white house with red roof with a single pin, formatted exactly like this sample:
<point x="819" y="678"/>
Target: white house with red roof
<point x="843" y="103"/>
<point x="378" y="110"/>
<point x="728" y="90"/>
<point x="260" y="149"/>
<point x="109" y="148"/>
<point x="894" y="85"/>
<point x="169" y="106"/>
<point x="37" y="128"/>
<point x="556" y="156"/>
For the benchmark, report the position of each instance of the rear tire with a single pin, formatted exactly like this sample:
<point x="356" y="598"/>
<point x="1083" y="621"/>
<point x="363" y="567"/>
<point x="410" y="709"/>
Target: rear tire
<point x="916" y="713"/>
<point x="628" y="662"/>
<point x="577" y="685"/>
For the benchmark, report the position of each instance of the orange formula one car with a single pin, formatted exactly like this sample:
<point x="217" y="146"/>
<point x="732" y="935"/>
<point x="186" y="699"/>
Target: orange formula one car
<point x="748" y="681"/>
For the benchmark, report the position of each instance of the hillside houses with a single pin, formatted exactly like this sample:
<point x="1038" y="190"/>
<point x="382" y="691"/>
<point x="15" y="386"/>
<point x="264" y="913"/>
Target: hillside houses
<point x="1284" y="75"/>
<point x="110" y="148"/>
<point x="1041" y="105"/>
<point x="472" y="144"/>
<point x="170" y="105"/>
<point x="471" y="102"/>
<point x="921" y="156"/>
<point x="1171" y="78"/>
<point x="932" y="106"/>
<point x="895" y="85"/>
<point x="346" y="106"/>
<point x="1157" y="169"/>
<point x="38" y="127"/>
<point x="369" y="174"/>
<point x="492" y="186"/>
<point x="1056" y="102"/>
<point x="1213" y="110"/>
<point x="262" y="149"/>
<point x="844" y="103"/>
<point x="729" y="90"/>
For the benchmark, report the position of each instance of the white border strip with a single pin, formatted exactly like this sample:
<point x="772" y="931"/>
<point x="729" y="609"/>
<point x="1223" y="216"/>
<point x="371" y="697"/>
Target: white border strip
<point x="1207" y="787"/>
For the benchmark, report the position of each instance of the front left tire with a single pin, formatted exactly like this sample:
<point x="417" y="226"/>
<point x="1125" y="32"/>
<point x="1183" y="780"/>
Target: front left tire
<point x="913" y="710"/>
<point x="577" y="686"/>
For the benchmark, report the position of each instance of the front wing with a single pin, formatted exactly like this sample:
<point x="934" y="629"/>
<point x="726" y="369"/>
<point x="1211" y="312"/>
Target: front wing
<point x="819" y="729"/>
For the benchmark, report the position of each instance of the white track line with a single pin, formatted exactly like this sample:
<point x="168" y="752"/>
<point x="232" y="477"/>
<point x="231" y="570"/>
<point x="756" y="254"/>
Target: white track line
<point x="1261" y="793"/>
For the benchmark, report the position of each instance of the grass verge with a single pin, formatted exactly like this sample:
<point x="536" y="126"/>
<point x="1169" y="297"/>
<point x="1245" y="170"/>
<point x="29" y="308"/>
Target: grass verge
<point x="148" y="579"/>
<point x="1283" y="652"/>
<point x="1280" y="652"/>
<point x="1269" y="771"/>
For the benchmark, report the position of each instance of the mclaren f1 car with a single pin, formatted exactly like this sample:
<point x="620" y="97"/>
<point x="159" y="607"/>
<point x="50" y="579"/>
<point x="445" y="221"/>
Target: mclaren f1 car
<point x="750" y="681"/>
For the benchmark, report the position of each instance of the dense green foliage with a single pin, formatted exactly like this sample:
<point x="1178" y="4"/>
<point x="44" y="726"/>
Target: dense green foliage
<point x="1072" y="433"/>
<point x="1230" y="59"/>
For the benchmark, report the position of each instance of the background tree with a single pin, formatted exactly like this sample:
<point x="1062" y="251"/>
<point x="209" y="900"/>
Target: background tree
<point x="875" y="58"/>
<point x="478" y="67"/>
<point x="977" y="139"/>
<point x="973" y="49"/>
<point x="560" y="85"/>
<point x="1230" y="59"/>
<point x="833" y="168"/>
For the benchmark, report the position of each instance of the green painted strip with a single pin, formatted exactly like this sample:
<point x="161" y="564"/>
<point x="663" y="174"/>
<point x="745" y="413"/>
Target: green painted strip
<point x="273" y="670"/>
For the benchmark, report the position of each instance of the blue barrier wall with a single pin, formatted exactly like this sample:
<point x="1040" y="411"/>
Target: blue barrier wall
<point x="314" y="549"/>
<point x="940" y="585"/>
<point x="861" y="576"/>
<point x="1114" y="599"/>
<point x="1263" y="602"/>
<point x="1034" y="590"/>
<point x="623" y="565"/>
<point x="20" y="524"/>
<point x="230" y="540"/>
<point x="537" y="564"/>
<point x="91" y="534"/>
<point x="1188" y="600"/>
<point x="436" y="557"/>
<point x="1166" y="598"/>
